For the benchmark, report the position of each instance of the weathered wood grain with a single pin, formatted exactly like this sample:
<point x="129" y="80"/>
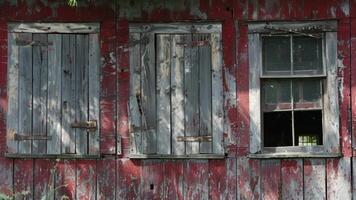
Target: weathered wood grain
<point x="338" y="178"/>
<point x="65" y="179"/>
<point x="54" y="27"/>
<point x="86" y="173"/>
<point x="6" y="176"/>
<point x="191" y="90"/>
<point x="271" y="179"/>
<point x="106" y="178"/>
<point x="205" y="93"/>
<point x="152" y="177"/>
<point x="222" y="179"/>
<point x="12" y="91"/>
<point x="128" y="183"/>
<point x="163" y="94"/>
<point x="54" y="94"/>
<point x="25" y="94"/>
<point x="177" y="95"/>
<point x="248" y="178"/>
<point x="23" y="179"/>
<point x="81" y="90"/>
<point x="40" y="93"/>
<point x="196" y="182"/>
<point x="173" y="180"/>
<point x="94" y="92"/>
<point x="43" y="175"/>
<point x="135" y="96"/>
<point x="314" y="179"/>
<point x="292" y="178"/>
<point x="217" y="94"/>
<point x="68" y="92"/>
<point x="148" y="93"/>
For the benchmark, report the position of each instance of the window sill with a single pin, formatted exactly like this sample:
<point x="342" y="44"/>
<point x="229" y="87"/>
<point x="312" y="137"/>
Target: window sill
<point x="294" y="155"/>
<point x="193" y="156"/>
<point x="51" y="156"/>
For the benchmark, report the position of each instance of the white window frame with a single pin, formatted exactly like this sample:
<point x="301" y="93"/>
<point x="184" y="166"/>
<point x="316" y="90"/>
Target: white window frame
<point x="330" y="147"/>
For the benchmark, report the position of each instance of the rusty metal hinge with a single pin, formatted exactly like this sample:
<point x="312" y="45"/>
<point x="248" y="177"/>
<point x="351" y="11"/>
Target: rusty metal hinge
<point x="206" y="138"/>
<point x="13" y="135"/>
<point x="90" y="125"/>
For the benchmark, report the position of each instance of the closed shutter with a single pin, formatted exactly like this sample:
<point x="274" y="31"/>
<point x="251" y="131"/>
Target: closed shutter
<point x="53" y="92"/>
<point x="176" y="94"/>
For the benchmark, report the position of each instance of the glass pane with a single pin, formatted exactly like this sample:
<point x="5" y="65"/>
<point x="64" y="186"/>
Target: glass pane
<point x="276" y="55"/>
<point x="307" y="55"/>
<point x="307" y="93"/>
<point x="277" y="129"/>
<point x="308" y="128"/>
<point x="276" y="95"/>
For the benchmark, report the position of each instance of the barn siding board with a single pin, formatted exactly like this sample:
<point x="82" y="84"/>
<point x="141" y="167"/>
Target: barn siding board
<point x="23" y="179"/>
<point x="250" y="176"/>
<point x="86" y="175"/>
<point x="43" y="176"/>
<point x="152" y="184"/>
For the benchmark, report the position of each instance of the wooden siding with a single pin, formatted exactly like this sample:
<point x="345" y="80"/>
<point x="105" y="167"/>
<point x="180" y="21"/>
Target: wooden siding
<point x="234" y="177"/>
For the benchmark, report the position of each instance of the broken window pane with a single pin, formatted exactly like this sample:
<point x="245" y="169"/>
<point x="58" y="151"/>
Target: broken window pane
<point x="307" y="93"/>
<point x="307" y="55"/>
<point x="276" y="55"/>
<point x="277" y="95"/>
<point x="308" y="127"/>
<point x="277" y="129"/>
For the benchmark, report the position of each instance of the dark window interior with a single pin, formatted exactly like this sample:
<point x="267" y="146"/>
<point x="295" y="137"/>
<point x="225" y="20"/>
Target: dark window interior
<point x="277" y="129"/>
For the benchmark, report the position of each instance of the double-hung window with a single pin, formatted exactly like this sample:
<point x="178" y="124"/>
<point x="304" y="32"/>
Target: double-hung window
<point x="293" y="88"/>
<point x="176" y="99"/>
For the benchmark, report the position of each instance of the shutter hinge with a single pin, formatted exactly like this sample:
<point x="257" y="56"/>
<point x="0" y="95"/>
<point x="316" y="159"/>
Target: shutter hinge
<point x="206" y="138"/>
<point x="12" y="135"/>
<point x="90" y="125"/>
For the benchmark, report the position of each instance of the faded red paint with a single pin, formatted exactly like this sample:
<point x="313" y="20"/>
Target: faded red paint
<point x="115" y="176"/>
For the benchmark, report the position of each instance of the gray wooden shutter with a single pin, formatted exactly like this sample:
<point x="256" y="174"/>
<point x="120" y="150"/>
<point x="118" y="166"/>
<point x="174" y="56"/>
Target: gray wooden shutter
<point x="175" y="98"/>
<point x="53" y="81"/>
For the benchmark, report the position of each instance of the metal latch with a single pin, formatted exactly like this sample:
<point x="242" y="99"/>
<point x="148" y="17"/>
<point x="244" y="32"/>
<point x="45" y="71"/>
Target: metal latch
<point x="90" y="125"/>
<point x="206" y="138"/>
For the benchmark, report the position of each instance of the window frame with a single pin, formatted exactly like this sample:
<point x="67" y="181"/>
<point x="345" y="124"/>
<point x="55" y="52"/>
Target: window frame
<point x="150" y="30"/>
<point x="330" y="147"/>
<point x="92" y="29"/>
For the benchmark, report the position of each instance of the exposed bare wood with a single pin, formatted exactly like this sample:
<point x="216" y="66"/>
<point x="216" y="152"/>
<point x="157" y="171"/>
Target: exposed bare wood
<point x="54" y="27"/>
<point x="191" y="156"/>
<point x="314" y="177"/>
<point x="176" y="28"/>
<point x="305" y="26"/>
<point x="204" y="138"/>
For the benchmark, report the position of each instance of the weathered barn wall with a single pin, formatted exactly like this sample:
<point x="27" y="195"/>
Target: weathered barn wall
<point x="236" y="177"/>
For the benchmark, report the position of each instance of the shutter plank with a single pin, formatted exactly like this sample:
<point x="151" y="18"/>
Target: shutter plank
<point x="163" y="94"/>
<point x="191" y="87"/>
<point x="54" y="94"/>
<point x="94" y="89"/>
<point x="68" y="92"/>
<point x="40" y="79"/>
<point x="177" y="96"/>
<point x="205" y="123"/>
<point x="134" y="110"/>
<point x="25" y="93"/>
<point x="82" y="86"/>
<point x="217" y="94"/>
<point x="12" y="91"/>
<point x="148" y="91"/>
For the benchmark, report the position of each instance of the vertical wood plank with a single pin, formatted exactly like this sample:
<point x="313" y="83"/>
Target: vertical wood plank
<point x="6" y="176"/>
<point x="106" y="178"/>
<point x="94" y="91"/>
<point x="338" y="178"/>
<point x="196" y="183"/>
<point x="68" y="93"/>
<point x="13" y="93"/>
<point x="43" y="179"/>
<point x="191" y="90"/>
<point x="222" y="179"/>
<point x="292" y="178"/>
<point x="25" y="93"/>
<point x="173" y="179"/>
<point x="177" y="96"/>
<point x="39" y="101"/>
<point x="314" y="179"/>
<point x="23" y="179"/>
<point x="163" y="94"/>
<point x="271" y="179"/>
<point x="128" y="179"/>
<point x="254" y="49"/>
<point x="81" y="90"/>
<point x="65" y="179"/>
<point x="205" y="93"/>
<point x="135" y="96"/>
<point x="54" y="93"/>
<point x="248" y="178"/>
<point x="152" y="183"/>
<point x="86" y="179"/>
<point x="148" y="92"/>
<point x="217" y="94"/>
